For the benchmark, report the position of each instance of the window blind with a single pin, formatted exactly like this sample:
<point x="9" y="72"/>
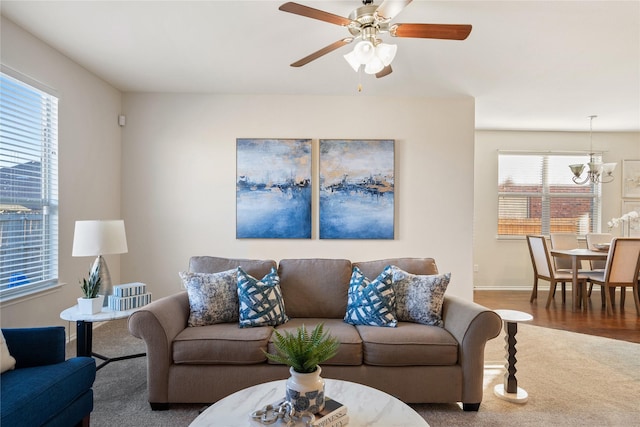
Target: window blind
<point x="28" y="188"/>
<point x="537" y="196"/>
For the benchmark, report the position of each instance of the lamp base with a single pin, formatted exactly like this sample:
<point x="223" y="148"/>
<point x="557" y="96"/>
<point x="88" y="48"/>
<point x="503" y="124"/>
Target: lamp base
<point x="105" y="278"/>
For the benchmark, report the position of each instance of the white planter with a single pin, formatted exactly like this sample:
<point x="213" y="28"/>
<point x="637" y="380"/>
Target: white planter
<point x="306" y="391"/>
<point x="90" y="305"/>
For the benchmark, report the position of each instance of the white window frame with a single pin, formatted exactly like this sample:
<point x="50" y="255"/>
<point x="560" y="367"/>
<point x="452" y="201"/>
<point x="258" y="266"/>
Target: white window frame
<point x="28" y="222"/>
<point x="546" y="196"/>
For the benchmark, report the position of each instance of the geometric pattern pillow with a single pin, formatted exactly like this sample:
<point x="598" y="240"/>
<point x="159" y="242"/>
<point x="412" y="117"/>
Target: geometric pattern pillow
<point x="261" y="302"/>
<point x="213" y="297"/>
<point x="371" y="302"/>
<point x="419" y="298"/>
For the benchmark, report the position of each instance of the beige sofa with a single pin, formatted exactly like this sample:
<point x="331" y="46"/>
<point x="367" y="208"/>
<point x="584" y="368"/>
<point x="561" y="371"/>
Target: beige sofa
<point x="414" y="362"/>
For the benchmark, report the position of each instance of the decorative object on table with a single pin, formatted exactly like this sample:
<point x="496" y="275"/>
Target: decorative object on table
<point x="598" y="172"/>
<point x="98" y="238"/>
<point x="273" y="188"/>
<point x="629" y="223"/>
<point x="303" y="353"/>
<point x="357" y="189"/>
<point x="91" y="301"/>
<point x="128" y="296"/>
<point x="282" y="410"/>
<point x="334" y="414"/>
<point x="631" y="178"/>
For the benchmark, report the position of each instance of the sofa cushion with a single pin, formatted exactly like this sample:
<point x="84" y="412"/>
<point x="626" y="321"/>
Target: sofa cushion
<point x="222" y="344"/>
<point x="7" y="361"/>
<point x="419" y="298"/>
<point x="408" y="344"/>
<point x="261" y="301"/>
<point x="410" y="265"/>
<point x="213" y="298"/>
<point x="350" y="350"/>
<point x="35" y="395"/>
<point x="210" y="264"/>
<point x="315" y="287"/>
<point x="371" y="302"/>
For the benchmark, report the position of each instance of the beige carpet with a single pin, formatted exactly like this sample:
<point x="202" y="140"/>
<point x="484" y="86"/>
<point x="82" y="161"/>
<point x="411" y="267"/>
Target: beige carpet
<point x="572" y="380"/>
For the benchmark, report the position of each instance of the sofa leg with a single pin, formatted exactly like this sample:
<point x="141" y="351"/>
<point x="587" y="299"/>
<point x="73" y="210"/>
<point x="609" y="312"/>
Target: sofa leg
<point x="84" y="422"/>
<point x="471" y="406"/>
<point x="155" y="406"/>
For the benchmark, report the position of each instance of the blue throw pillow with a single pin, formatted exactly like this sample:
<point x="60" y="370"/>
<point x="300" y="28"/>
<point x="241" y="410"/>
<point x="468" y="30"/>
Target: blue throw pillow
<point x="261" y="302"/>
<point x="371" y="302"/>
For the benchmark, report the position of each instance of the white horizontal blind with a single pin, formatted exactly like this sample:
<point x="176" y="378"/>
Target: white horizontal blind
<point x="28" y="188"/>
<point x="537" y="196"/>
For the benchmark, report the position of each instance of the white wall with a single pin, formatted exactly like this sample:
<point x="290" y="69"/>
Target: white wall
<point x="179" y="174"/>
<point x="506" y="263"/>
<point x="89" y="164"/>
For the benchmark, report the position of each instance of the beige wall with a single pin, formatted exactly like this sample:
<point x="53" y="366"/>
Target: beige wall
<point x="505" y="263"/>
<point x="89" y="164"/>
<point x="179" y="174"/>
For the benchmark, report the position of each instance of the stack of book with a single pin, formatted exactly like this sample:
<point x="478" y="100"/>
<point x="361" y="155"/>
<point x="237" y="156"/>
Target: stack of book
<point x="334" y="414"/>
<point x="128" y="296"/>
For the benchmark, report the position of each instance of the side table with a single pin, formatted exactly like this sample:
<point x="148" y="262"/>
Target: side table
<point x="84" y="331"/>
<point x="509" y="390"/>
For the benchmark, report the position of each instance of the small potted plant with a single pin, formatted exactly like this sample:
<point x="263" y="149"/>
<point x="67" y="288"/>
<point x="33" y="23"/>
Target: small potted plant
<point x="303" y="352"/>
<point x="91" y="301"/>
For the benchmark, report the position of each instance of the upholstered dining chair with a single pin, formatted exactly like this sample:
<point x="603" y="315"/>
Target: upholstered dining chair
<point x="594" y="239"/>
<point x="621" y="270"/>
<point x="544" y="269"/>
<point x="563" y="241"/>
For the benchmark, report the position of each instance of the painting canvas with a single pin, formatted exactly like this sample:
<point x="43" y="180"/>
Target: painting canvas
<point x="631" y="178"/>
<point x="273" y="188"/>
<point x="356" y="189"/>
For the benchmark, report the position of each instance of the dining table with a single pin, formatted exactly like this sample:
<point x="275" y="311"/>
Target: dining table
<point x="579" y="292"/>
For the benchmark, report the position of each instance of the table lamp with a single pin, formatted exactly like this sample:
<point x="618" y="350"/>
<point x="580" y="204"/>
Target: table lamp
<point x="97" y="238"/>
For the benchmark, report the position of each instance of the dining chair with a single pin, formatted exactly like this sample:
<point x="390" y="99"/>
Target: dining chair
<point x="594" y="239"/>
<point x="563" y="241"/>
<point x="544" y="269"/>
<point x="621" y="270"/>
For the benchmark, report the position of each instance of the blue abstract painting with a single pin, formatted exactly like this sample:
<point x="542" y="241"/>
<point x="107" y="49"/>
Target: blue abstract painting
<point x="356" y="189"/>
<point x="273" y="188"/>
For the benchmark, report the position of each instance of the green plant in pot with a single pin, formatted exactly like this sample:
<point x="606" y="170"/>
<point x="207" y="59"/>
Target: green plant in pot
<point x="303" y="352"/>
<point x="91" y="301"/>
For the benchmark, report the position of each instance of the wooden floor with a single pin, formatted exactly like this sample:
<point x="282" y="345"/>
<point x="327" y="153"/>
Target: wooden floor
<point x="623" y="325"/>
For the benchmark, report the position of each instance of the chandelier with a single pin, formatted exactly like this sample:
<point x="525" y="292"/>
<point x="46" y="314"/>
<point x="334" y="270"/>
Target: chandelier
<point x="598" y="172"/>
<point x="371" y="53"/>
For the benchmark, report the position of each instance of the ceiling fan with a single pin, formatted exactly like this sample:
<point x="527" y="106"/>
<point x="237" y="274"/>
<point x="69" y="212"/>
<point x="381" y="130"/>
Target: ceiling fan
<point x="367" y="23"/>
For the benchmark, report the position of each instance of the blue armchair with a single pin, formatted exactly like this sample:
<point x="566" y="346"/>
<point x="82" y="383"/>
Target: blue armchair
<point x="44" y="389"/>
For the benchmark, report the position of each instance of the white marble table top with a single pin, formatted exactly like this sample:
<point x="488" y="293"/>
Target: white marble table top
<point x="366" y="406"/>
<point x="514" y="315"/>
<point x="73" y="314"/>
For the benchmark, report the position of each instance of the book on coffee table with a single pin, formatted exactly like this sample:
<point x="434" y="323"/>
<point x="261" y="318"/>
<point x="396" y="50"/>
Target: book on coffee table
<point x="333" y="414"/>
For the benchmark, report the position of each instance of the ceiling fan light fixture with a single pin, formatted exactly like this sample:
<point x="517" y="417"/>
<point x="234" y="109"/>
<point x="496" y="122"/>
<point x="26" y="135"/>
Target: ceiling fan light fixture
<point x="386" y="52"/>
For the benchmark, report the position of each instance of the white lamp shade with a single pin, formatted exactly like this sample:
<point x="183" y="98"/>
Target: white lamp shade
<point x="608" y="168"/>
<point x="352" y="60"/>
<point x="93" y="238"/>
<point x="364" y="51"/>
<point x="375" y="65"/>
<point x="386" y="52"/>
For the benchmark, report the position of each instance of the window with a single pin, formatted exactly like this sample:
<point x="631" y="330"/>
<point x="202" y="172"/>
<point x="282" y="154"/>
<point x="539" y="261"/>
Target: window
<point x="28" y="187"/>
<point x="537" y="196"/>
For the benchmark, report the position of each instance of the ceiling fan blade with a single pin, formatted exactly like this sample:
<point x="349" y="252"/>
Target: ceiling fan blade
<point x="315" y="55"/>
<point x="310" y="12"/>
<point x="385" y="71"/>
<point x="390" y="8"/>
<point x="431" y="31"/>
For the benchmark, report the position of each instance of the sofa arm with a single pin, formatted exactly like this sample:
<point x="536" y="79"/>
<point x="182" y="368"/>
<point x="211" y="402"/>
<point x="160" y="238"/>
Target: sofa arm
<point x="158" y="324"/>
<point x="36" y="346"/>
<point x="472" y="325"/>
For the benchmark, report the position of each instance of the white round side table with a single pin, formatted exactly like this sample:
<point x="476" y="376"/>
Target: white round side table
<point x="509" y="390"/>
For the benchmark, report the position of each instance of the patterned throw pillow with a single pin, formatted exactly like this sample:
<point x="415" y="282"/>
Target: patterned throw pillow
<point x="371" y="302"/>
<point x="261" y="302"/>
<point x="212" y="297"/>
<point x="419" y="298"/>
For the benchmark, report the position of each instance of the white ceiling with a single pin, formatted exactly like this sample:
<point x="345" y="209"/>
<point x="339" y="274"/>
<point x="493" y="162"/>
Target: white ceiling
<point x="539" y="65"/>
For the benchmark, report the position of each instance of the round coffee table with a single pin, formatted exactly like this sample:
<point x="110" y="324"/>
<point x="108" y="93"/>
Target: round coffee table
<point x="366" y="406"/>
